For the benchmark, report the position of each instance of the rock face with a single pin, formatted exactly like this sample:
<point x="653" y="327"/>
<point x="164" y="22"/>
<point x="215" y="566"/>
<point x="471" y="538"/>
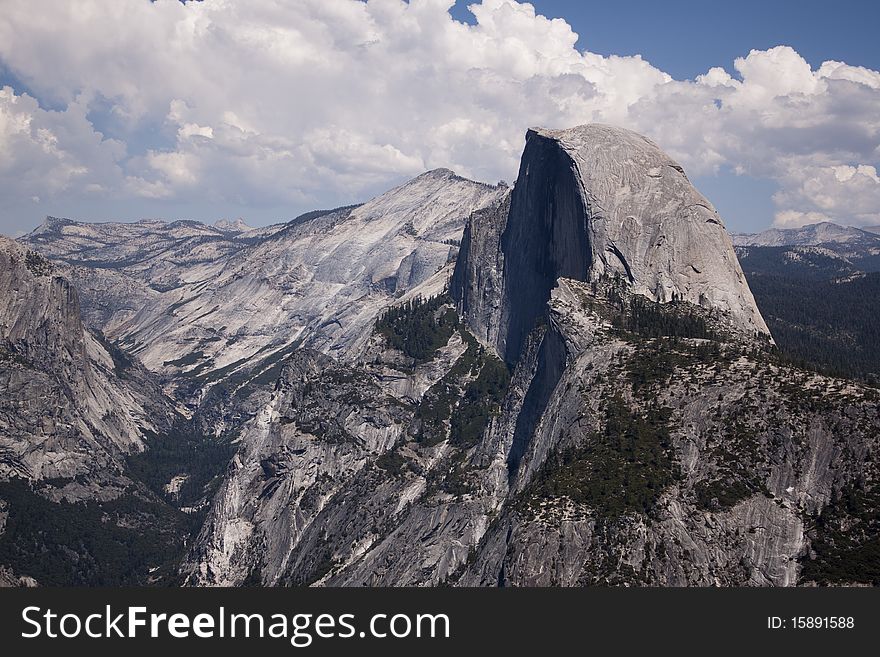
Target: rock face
<point x="595" y="202"/>
<point x="65" y="411"/>
<point x="323" y="427"/>
<point x="78" y="419"/>
<point x="744" y="456"/>
<point x="478" y="280"/>
<point x="583" y="393"/>
<point x="40" y="312"/>
<point x="574" y="277"/>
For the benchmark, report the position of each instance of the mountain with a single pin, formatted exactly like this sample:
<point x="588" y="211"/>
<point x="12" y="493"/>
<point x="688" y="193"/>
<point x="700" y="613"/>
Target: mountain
<point x="232" y="226"/>
<point x="65" y="382"/>
<point x="596" y="203"/>
<point x="198" y="304"/>
<point x="854" y="246"/>
<point x="568" y="416"/>
<point x="824" y="232"/>
<point x="564" y="383"/>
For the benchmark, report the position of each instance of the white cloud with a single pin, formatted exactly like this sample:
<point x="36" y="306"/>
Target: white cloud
<point x="784" y="121"/>
<point x="840" y="192"/>
<point x="45" y="152"/>
<point x="796" y="219"/>
<point x="317" y="101"/>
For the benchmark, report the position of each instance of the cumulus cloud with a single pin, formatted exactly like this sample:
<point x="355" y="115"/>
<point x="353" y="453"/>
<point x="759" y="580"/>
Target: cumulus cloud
<point x="48" y="152"/>
<point x="323" y="101"/>
<point x="829" y="193"/>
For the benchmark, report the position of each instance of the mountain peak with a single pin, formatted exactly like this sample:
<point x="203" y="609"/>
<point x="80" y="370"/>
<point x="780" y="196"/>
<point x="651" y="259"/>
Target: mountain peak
<point x="51" y="224"/>
<point x="232" y="225"/>
<point x="441" y="172"/>
<point x="598" y="203"/>
<point x="432" y="205"/>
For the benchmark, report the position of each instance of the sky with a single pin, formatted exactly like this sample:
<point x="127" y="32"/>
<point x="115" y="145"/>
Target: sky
<point x="266" y="109"/>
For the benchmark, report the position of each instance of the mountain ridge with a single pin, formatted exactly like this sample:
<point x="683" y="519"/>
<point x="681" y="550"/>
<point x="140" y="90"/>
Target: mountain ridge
<point x="825" y="232"/>
<point x="567" y="382"/>
<point x="178" y="279"/>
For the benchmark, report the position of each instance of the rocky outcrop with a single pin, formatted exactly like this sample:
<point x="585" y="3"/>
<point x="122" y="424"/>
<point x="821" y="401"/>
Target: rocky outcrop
<point x="39" y="311"/>
<point x="296" y="485"/>
<point x="478" y="280"/>
<point x="596" y="203"/>
<point x="71" y="404"/>
<point x="10" y="580"/>
<point x="755" y="455"/>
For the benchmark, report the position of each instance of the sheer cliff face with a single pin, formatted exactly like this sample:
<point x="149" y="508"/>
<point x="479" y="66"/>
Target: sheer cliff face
<point x="39" y="311"/>
<point x="64" y="409"/>
<point x="546" y="237"/>
<point x="596" y="203"/>
<point x="478" y="279"/>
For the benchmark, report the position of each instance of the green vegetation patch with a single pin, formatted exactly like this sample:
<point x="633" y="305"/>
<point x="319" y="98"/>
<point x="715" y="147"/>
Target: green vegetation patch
<point x="481" y="400"/>
<point x="419" y="327"/>
<point x="650" y="319"/>
<point x="11" y="357"/>
<point x="741" y="462"/>
<point x="122" y="362"/>
<point x="625" y="468"/>
<point x="725" y="492"/>
<point x="822" y="312"/>
<point x="846" y="540"/>
<point x="654" y="361"/>
<point x="201" y="458"/>
<point x="452" y="476"/>
<point x="393" y="463"/>
<point x="37" y="264"/>
<point x="466" y="403"/>
<point x="189" y="359"/>
<point x="129" y="541"/>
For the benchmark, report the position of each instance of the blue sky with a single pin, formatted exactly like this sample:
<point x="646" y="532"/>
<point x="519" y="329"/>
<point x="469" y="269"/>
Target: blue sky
<point x="686" y="37"/>
<point x="268" y="108"/>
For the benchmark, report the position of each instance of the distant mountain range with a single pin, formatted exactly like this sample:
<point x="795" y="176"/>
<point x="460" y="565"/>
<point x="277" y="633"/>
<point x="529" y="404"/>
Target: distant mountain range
<point x="858" y="247"/>
<point x="825" y="232"/>
<point x="818" y="287"/>
<point x="200" y="303"/>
